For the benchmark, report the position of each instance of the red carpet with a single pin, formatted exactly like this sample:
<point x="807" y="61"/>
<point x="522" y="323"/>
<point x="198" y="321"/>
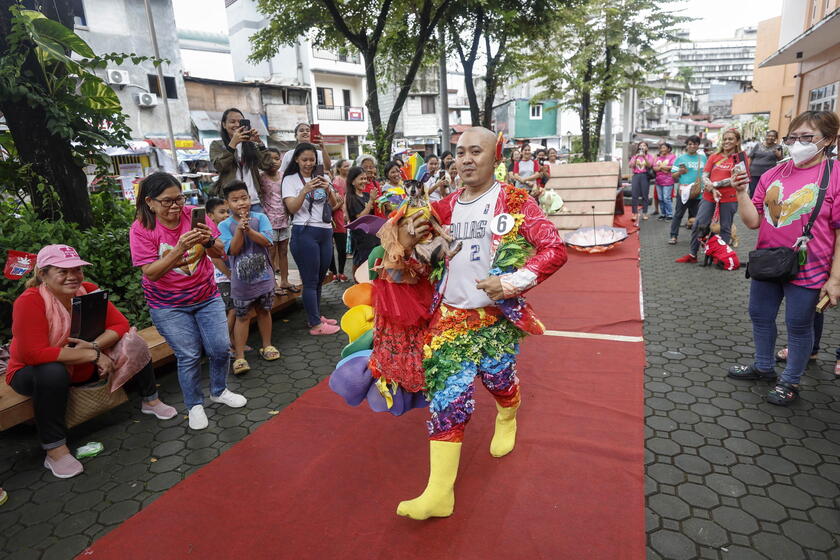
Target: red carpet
<point x="322" y="480"/>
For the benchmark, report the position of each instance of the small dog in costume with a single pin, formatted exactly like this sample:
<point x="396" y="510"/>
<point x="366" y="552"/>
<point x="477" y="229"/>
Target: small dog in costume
<point x="717" y="251"/>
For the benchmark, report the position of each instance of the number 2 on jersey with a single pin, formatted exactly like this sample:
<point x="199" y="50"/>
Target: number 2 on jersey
<point x="474" y="256"/>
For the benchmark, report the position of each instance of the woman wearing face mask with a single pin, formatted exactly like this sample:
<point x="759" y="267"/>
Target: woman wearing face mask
<point x="662" y="164"/>
<point x="763" y="156"/>
<point x="718" y="190"/>
<point x="311" y="200"/>
<point x="239" y="156"/>
<point x="784" y="200"/>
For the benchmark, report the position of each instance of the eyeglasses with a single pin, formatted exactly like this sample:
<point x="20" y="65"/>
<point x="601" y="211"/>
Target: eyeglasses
<point x="168" y="202"/>
<point x="804" y="138"/>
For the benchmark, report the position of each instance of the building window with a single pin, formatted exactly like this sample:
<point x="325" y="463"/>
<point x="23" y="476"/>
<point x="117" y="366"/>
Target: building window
<point x="79" y="17"/>
<point x="296" y="97"/>
<point x="427" y="104"/>
<point x="325" y="97"/>
<point x="824" y="98"/>
<point x="536" y="112"/>
<point x="168" y="84"/>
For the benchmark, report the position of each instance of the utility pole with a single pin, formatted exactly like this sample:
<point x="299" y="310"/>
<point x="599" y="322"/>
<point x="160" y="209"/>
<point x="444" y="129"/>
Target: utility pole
<point x="444" y="93"/>
<point x="161" y="88"/>
<point x="608" y="129"/>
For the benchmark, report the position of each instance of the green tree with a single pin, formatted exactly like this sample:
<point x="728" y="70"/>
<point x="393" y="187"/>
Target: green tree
<point x="685" y="74"/>
<point x="55" y="107"/>
<point x="504" y="32"/>
<point x="597" y="51"/>
<point x="391" y="36"/>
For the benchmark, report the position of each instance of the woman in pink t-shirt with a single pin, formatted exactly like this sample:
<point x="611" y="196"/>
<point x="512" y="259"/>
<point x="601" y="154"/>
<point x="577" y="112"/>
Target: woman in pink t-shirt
<point x="662" y="164"/>
<point x="181" y="291"/>
<point x="784" y="200"/>
<point x="640" y="184"/>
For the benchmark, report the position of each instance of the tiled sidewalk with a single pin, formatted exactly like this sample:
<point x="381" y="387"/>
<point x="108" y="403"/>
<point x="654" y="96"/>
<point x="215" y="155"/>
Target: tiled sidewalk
<point x="50" y="518"/>
<point x="730" y="476"/>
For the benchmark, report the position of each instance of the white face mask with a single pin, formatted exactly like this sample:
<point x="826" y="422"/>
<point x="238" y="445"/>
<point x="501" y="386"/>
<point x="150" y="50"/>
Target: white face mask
<point x="803" y="153"/>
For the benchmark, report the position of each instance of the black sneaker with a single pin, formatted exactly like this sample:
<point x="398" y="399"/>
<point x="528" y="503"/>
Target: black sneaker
<point x="750" y="373"/>
<point x="783" y="394"/>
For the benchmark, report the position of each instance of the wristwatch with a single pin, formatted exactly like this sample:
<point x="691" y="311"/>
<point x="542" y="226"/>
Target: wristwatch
<point x="210" y="242"/>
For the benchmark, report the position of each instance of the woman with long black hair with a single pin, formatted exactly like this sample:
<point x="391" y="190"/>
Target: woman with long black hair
<point x="239" y="156"/>
<point x="311" y="199"/>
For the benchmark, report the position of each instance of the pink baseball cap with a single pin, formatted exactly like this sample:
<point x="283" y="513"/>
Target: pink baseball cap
<point x="61" y="256"/>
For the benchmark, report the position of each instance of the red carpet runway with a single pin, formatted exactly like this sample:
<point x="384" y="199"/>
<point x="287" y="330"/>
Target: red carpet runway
<point x="322" y="480"/>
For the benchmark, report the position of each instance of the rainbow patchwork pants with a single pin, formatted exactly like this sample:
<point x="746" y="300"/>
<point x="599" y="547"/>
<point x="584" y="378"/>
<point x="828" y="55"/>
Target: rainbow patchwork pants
<point x="460" y="345"/>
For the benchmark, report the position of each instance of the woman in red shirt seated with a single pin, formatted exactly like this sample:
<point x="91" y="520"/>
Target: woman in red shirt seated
<point x="717" y="176"/>
<point x="43" y="366"/>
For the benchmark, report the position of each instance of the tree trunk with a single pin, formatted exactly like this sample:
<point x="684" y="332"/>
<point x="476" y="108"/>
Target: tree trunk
<point x="585" y="113"/>
<point x="50" y="155"/>
<point x="381" y="141"/>
<point x="468" y="63"/>
<point x="491" y="79"/>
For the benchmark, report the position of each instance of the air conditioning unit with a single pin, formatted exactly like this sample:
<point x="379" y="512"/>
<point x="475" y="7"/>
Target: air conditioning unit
<point x="146" y="99"/>
<point x="117" y="77"/>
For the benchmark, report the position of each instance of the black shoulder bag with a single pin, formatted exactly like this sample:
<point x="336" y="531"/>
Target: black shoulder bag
<point x="781" y="264"/>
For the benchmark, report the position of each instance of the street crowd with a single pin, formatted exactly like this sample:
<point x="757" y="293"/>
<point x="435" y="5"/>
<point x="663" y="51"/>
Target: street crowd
<point x="792" y="201"/>
<point x="206" y="272"/>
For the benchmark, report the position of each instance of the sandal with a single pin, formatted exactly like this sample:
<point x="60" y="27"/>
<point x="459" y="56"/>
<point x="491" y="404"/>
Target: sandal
<point x="293" y="289"/>
<point x="269" y="353"/>
<point x="328" y="321"/>
<point x="672" y="241"/>
<point x="783" y="394"/>
<point x="782" y="356"/>
<point x="240" y="366"/>
<point x="281" y="292"/>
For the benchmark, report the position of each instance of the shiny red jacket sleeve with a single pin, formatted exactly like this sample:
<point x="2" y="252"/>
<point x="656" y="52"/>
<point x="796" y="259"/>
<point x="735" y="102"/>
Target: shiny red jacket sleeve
<point x="550" y="251"/>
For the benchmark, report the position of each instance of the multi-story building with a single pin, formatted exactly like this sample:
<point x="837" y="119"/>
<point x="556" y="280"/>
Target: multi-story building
<point x="808" y="39"/>
<point x="122" y="26"/>
<point x="771" y="93"/>
<point x="719" y="60"/>
<point x="336" y="81"/>
<point x="519" y="118"/>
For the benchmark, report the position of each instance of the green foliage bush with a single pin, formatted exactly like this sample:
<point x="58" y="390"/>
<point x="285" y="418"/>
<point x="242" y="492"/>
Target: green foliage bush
<point x="105" y="246"/>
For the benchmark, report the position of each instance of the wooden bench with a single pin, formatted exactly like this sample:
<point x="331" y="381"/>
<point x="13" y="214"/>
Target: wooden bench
<point x="15" y="408"/>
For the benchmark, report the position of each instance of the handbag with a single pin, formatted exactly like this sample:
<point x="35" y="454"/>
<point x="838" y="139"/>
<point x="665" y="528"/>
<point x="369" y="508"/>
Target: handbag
<point x="86" y="401"/>
<point x="130" y="354"/>
<point x="781" y="264"/>
<point x="696" y="188"/>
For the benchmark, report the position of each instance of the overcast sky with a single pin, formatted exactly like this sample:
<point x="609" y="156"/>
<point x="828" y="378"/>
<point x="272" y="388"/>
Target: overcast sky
<point x="716" y="18"/>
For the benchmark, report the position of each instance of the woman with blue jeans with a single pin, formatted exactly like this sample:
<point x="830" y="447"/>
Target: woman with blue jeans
<point x="311" y="200"/>
<point x="640" y="184"/>
<point x="784" y="200"/>
<point x="180" y="290"/>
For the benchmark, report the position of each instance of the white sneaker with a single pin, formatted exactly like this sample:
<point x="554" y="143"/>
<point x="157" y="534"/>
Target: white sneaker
<point x="230" y="398"/>
<point x="198" y="419"/>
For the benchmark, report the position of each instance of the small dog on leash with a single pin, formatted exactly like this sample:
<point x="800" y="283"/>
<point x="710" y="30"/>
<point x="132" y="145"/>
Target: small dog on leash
<point x="733" y="241"/>
<point x="716" y="250"/>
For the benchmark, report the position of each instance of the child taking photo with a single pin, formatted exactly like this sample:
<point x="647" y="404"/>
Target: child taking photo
<point x="247" y="238"/>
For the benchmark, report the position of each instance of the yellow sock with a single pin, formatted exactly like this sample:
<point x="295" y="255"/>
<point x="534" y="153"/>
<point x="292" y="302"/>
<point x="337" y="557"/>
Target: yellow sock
<point x="438" y="499"/>
<point x="504" y="438"/>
